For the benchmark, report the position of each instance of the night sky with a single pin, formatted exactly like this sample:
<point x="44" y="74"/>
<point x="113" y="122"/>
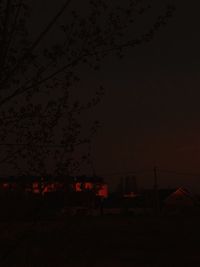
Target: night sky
<point x="150" y="113"/>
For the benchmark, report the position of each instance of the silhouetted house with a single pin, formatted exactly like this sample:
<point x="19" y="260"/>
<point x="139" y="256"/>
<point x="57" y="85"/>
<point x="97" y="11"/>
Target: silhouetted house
<point x="150" y="201"/>
<point x="123" y="204"/>
<point x="181" y="200"/>
<point x="86" y="196"/>
<point x="52" y="184"/>
<point x="93" y="184"/>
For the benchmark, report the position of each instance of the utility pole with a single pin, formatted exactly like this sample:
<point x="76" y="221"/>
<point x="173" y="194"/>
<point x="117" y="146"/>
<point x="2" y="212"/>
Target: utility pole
<point x="91" y="162"/>
<point x="156" y="196"/>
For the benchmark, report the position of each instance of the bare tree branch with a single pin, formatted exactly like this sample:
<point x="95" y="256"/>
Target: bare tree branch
<point x="35" y="43"/>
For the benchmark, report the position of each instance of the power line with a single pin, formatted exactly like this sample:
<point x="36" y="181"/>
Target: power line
<point x="125" y="172"/>
<point x="150" y="171"/>
<point x="179" y="173"/>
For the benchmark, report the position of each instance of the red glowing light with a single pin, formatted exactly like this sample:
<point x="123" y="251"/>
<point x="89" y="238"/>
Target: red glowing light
<point x="103" y="191"/>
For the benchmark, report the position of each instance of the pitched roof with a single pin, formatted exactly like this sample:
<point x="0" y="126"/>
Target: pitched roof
<point x="179" y="195"/>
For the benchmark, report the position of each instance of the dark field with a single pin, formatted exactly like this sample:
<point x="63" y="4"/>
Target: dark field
<point x="101" y="241"/>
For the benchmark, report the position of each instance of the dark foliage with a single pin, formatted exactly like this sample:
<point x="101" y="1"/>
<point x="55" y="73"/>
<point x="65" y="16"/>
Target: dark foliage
<point x="41" y="126"/>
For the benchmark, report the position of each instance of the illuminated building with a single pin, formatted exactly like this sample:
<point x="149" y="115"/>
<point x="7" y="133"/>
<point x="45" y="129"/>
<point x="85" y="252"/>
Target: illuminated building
<point x="50" y="184"/>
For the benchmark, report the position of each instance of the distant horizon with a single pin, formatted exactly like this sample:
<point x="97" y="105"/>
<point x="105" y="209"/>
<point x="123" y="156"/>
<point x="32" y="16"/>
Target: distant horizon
<point x="167" y="179"/>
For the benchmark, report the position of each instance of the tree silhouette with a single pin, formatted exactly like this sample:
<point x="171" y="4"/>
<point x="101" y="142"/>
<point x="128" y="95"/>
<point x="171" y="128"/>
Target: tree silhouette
<point x="40" y="124"/>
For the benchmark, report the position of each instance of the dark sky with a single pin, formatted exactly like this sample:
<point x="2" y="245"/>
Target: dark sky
<point x="150" y="113"/>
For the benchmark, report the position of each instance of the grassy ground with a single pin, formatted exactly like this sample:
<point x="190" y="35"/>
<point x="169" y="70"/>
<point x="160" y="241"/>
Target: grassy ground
<point x="101" y="241"/>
